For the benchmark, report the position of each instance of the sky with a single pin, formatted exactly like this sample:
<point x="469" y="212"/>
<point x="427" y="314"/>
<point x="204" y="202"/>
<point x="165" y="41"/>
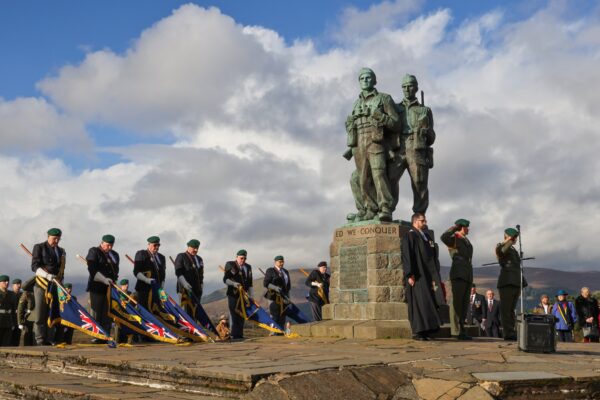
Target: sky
<point x="224" y="121"/>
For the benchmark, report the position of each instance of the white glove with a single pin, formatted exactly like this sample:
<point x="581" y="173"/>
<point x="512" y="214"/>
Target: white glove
<point x="232" y="283"/>
<point x="99" y="277"/>
<point x="184" y="283"/>
<point x="20" y="327"/>
<point x="251" y="292"/>
<point x="144" y="278"/>
<point x="317" y="284"/>
<point x="274" y="287"/>
<point x="162" y="284"/>
<point x="43" y="274"/>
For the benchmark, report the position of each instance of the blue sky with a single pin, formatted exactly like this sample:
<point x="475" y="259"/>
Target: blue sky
<point x="142" y="118"/>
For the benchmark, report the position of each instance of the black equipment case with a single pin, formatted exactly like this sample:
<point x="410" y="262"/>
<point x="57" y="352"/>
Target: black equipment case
<point x="536" y="333"/>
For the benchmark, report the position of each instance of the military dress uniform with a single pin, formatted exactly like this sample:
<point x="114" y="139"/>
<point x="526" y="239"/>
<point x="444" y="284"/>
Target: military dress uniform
<point x="25" y="318"/>
<point x="47" y="262"/>
<point x="148" y="266"/>
<point x="8" y="314"/>
<point x="509" y="284"/>
<point x="278" y="284"/>
<point x="17" y="332"/>
<point x="461" y="275"/>
<point x="103" y="268"/>
<point x="413" y="152"/>
<point x="189" y="270"/>
<point x="233" y="276"/>
<point x="318" y="296"/>
<point x="373" y="118"/>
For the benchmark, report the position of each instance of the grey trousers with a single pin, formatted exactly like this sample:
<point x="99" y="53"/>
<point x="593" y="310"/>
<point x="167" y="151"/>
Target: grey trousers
<point x="40" y="315"/>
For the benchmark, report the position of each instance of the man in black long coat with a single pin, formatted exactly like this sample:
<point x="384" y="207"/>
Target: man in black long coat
<point x="422" y="278"/>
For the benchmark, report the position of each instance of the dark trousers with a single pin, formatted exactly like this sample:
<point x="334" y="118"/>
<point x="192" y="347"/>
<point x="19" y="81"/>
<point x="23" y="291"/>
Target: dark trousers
<point x="276" y="314"/>
<point x="316" y="310"/>
<point x="99" y="310"/>
<point x="16" y="335"/>
<point x="492" y="331"/>
<point x="27" y="336"/>
<point x="64" y="334"/>
<point x="142" y="298"/>
<point x="40" y="315"/>
<point x="6" y="337"/>
<point x="509" y="295"/>
<point x="237" y="322"/>
<point x="564" y="336"/>
<point x="460" y="302"/>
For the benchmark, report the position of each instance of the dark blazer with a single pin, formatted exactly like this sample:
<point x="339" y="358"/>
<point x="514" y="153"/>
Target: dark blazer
<point x="316" y="276"/>
<point x="44" y="257"/>
<point x="98" y="261"/>
<point x="491" y="317"/>
<point x="474" y="312"/>
<point x="273" y="277"/>
<point x="234" y="273"/>
<point x="144" y="263"/>
<point x="585" y="309"/>
<point x="185" y="266"/>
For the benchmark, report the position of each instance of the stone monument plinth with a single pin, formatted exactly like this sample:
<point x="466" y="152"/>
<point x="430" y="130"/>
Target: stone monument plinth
<point x="366" y="289"/>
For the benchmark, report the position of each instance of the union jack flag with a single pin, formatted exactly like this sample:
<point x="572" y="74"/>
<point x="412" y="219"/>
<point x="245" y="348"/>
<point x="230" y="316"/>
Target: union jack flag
<point x="89" y="324"/>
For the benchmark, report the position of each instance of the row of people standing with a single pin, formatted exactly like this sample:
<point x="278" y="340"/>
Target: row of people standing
<point x="420" y="257"/>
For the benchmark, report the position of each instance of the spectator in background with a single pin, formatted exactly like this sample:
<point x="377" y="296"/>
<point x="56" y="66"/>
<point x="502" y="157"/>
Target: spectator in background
<point x="587" y="312"/>
<point x="491" y="315"/>
<point x="544" y="307"/>
<point x="474" y="311"/>
<point x="566" y="317"/>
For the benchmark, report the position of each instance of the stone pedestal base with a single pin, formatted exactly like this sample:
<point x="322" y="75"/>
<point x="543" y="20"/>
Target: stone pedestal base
<point x="355" y="329"/>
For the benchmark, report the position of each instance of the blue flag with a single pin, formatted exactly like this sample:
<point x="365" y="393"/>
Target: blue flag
<point x="135" y="318"/>
<point x="193" y="303"/>
<point x="174" y="316"/>
<point x="64" y="309"/>
<point x="251" y="311"/>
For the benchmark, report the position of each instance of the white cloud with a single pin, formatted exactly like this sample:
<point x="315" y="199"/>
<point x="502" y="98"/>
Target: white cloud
<point x="258" y="131"/>
<point x="33" y="124"/>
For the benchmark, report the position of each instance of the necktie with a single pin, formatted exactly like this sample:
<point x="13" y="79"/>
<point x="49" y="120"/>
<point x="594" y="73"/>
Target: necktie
<point x="490" y="305"/>
<point x="472" y="299"/>
<point x="57" y="253"/>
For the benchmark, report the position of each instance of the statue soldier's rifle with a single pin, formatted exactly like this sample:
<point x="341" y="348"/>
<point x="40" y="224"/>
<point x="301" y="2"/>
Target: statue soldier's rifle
<point x="320" y="290"/>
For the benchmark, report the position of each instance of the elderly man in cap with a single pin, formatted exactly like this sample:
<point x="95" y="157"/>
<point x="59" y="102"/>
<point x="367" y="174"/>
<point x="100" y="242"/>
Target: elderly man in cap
<point x="237" y="274"/>
<point x="318" y="282"/>
<point x="8" y="312"/>
<point x="48" y="263"/>
<point x="412" y="147"/>
<point x="278" y="284"/>
<point x="509" y="281"/>
<point x="369" y="126"/>
<point x="16" y="289"/>
<point x="149" y="266"/>
<point x="461" y="274"/>
<point x="103" y="268"/>
<point x="189" y="269"/>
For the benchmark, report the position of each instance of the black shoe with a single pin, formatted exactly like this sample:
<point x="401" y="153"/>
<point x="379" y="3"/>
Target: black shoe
<point x="421" y="338"/>
<point x="464" y="336"/>
<point x="511" y="338"/>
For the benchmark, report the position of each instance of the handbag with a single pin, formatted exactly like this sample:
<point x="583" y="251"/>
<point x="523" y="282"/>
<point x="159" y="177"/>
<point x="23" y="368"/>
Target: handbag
<point x="589" y="331"/>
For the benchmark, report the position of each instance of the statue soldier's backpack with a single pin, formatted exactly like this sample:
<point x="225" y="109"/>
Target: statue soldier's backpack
<point x="536" y="333"/>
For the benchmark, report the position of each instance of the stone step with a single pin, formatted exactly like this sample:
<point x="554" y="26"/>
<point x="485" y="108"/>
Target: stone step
<point x="19" y="383"/>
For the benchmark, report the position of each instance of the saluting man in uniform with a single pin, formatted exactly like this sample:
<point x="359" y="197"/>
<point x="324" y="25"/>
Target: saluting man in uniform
<point x="238" y="274"/>
<point x="509" y="281"/>
<point x="277" y="281"/>
<point x="48" y="263"/>
<point x="461" y="274"/>
<point x="189" y="269"/>
<point x="8" y="312"/>
<point x="103" y="266"/>
<point x="149" y="266"/>
<point x="318" y="281"/>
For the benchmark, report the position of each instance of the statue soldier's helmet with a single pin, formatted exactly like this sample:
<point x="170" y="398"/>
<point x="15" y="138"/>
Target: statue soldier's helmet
<point x="367" y="71"/>
<point x="408" y="79"/>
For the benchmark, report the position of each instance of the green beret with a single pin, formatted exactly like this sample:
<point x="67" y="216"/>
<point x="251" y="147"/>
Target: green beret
<point x="17" y="281"/>
<point x="54" y="232"/>
<point x="278" y="258"/>
<point x="4" y="278"/>
<point x="108" y="239"/>
<point x="154" y="240"/>
<point x="242" y="252"/>
<point x="68" y="286"/>
<point x="512" y="232"/>
<point x="195" y="243"/>
<point x="462" y="222"/>
<point x="124" y="282"/>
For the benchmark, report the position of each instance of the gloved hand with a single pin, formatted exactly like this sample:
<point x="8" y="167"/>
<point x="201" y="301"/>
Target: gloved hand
<point x="184" y="284"/>
<point x="144" y="278"/>
<point x="20" y="327"/>
<point x="108" y="281"/>
<point x="43" y="274"/>
<point x="232" y="283"/>
<point x="274" y="287"/>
